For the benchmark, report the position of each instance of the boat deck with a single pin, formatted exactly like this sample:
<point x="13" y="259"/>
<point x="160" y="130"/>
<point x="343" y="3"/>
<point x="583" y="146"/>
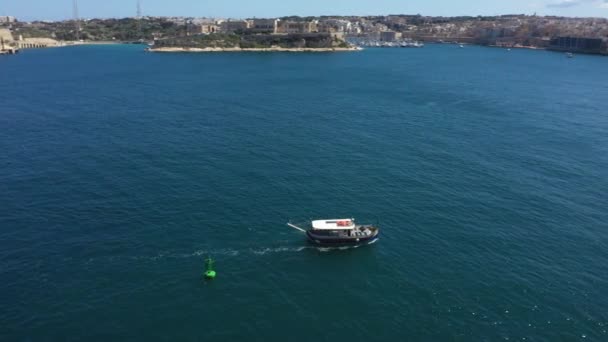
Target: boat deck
<point x="359" y="232"/>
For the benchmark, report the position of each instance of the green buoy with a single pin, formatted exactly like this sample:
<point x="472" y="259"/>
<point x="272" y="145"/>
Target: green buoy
<point x="209" y="272"/>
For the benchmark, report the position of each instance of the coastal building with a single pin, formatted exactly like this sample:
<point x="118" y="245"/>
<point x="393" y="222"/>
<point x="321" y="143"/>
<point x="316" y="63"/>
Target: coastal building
<point x="388" y="36"/>
<point x="204" y="29"/>
<point x="7" y="19"/>
<point x="234" y="25"/>
<point x="289" y="27"/>
<point x="324" y="28"/>
<point x="203" y="26"/>
<point x="264" y="25"/>
<point x="338" y="25"/>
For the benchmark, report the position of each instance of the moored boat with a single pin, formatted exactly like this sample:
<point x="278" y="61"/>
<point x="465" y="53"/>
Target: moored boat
<point x="340" y="232"/>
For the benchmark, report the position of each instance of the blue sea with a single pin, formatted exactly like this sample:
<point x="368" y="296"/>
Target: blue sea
<point x="122" y="170"/>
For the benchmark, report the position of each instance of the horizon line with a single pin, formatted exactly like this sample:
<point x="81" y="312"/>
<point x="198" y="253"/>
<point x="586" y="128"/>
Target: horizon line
<point x="313" y="16"/>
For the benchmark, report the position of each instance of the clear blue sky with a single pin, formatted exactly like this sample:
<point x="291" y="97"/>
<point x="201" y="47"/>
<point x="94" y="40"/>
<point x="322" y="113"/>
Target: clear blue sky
<point x="62" y="9"/>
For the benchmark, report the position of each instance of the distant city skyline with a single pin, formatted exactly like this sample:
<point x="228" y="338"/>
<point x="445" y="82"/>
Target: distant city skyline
<point x="62" y="9"/>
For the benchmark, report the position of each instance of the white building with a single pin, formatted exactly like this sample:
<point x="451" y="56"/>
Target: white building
<point x="7" y="19"/>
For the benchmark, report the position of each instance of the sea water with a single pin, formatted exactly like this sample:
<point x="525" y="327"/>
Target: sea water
<point x="121" y="171"/>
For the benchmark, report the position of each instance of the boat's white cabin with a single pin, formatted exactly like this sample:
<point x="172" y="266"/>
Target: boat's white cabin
<point x="337" y="224"/>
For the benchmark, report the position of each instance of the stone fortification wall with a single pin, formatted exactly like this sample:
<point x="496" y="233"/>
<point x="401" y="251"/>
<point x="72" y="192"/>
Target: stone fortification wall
<point x="6" y="35"/>
<point x="37" y="43"/>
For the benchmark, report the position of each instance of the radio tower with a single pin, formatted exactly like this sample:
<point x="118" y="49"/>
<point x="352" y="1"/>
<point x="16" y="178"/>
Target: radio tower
<point x="139" y="9"/>
<point x="76" y="19"/>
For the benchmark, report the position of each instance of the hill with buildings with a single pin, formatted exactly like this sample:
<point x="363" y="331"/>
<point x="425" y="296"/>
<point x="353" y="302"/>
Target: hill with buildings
<point x="253" y="41"/>
<point x="560" y="33"/>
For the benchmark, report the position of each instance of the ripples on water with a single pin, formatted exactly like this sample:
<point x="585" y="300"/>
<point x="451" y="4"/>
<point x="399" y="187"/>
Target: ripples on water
<point x="227" y="253"/>
<point x="123" y="170"/>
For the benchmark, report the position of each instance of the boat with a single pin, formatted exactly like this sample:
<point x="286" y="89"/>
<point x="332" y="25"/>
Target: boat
<point x="412" y="45"/>
<point x="570" y="55"/>
<point x="461" y="46"/>
<point x="382" y="44"/>
<point x="340" y="232"/>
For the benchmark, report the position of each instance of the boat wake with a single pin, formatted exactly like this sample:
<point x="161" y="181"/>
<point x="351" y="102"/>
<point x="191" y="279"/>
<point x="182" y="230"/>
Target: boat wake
<point x="227" y="252"/>
<point x="344" y="248"/>
<point x="265" y="251"/>
<point x="268" y="250"/>
<point x="271" y="250"/>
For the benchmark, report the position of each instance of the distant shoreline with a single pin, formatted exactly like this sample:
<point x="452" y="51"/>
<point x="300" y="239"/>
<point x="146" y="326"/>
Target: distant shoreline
<point x="69" y="43"/>
<point x="93" y="42"/>
<point x="517" y="47"/>
<point x="237" y="49"/>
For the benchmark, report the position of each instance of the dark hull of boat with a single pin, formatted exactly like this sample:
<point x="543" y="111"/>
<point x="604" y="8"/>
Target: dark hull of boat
<point x="340" y="241"/>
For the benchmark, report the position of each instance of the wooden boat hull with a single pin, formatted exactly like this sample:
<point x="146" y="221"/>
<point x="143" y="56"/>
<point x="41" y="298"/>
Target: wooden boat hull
<point x="320" y="240"/>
